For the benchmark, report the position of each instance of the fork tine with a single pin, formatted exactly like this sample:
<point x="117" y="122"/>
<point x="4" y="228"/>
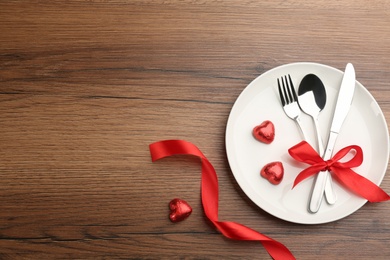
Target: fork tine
<point x="288" y="90"/>
<point x="287" y="97"/>
<point x="281" y="94"/>
<point x="292" y="89"/>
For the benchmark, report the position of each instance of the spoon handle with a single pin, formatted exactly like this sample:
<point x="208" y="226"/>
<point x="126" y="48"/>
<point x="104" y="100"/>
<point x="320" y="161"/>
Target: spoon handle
<point x="319" y="138"/>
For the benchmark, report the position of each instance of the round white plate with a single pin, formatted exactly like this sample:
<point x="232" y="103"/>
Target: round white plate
<point x="365" y="126"/>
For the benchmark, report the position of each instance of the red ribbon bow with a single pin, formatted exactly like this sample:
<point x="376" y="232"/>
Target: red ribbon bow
<point x="209" y="192"/>
<point x="341" y="171"/>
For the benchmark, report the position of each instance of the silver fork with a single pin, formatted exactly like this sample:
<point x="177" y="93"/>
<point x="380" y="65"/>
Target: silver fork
<point x="289" y="99"/>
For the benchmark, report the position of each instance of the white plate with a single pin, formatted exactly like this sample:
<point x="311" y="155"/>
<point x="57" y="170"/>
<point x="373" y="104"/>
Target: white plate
<point x="365" y="126"/>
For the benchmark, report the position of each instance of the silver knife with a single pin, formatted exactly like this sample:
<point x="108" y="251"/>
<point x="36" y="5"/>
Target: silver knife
<point x="343" y="104"/>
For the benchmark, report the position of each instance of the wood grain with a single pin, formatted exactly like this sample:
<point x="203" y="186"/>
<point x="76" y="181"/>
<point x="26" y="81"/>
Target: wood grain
<point x="86" y="86"/>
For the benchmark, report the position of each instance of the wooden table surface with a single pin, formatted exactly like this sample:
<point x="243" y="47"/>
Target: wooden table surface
<point x="86" y="86"/>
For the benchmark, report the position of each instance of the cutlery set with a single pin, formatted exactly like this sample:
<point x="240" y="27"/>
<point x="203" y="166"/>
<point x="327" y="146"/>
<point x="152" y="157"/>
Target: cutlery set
<point x="311" y="100"/>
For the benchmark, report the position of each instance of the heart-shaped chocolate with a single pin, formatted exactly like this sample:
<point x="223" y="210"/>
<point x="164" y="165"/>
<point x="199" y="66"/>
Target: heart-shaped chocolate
<point x="265" y="132"/>
<point x="180" y="210"/>
<point x="273" y="172"/>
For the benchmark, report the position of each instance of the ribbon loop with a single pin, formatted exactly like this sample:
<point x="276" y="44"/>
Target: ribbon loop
<point x="342" y="172"/>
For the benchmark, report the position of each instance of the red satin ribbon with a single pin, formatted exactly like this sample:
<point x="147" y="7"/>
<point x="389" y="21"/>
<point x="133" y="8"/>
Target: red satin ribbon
<point x="341" y="171"/>
<point x="209" y="191"/>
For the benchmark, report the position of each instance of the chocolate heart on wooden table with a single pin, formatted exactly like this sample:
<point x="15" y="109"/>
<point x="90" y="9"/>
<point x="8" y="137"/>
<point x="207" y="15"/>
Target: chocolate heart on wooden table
<point x="180" y="210"/>
<point x="273" y="172"/>
<point x="265" y="132"/>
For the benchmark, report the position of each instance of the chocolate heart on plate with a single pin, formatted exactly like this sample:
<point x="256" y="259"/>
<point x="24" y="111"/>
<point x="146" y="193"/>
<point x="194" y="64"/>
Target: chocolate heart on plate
<point x="265" y="132"/>
<point x="180" y="210"/>
<point x="273" y="172"/>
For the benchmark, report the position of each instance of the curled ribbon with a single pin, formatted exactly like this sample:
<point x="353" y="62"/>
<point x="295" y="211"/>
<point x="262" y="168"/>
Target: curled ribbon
<point x="341" y="171"/>
<point x="209" y="194"/>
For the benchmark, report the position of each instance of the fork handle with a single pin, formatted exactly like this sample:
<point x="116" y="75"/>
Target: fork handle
<point x="329" y="191"/>
<point x="320" y="183"/>
<point x="318" y="191"/>
<point x="299" y="123"/>
<point x="330" y="194"/>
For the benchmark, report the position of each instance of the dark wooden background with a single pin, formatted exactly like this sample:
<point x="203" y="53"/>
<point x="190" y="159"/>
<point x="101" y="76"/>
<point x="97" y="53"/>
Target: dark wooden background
<point x="86" y="86"/>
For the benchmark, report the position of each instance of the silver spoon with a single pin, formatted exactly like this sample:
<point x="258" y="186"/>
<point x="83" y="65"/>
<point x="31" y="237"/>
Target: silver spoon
<point x="312" y="99"/>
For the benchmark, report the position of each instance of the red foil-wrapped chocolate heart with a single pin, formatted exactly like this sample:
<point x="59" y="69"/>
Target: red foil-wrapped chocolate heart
<point x="180" y="210"/>
<point x="265" y="132"/>
<point x="273" y="172"/>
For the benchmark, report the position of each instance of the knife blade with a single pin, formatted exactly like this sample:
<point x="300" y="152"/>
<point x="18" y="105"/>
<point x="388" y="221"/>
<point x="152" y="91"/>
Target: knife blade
<point x="343" y="104"/>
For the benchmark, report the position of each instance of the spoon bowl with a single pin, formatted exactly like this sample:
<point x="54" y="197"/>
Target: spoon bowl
<point x="312" y="99"/>
<point x="312" y="95"/>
